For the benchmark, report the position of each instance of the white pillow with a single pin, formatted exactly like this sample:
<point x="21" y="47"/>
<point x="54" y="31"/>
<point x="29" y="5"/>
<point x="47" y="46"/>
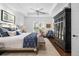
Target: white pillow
<point x="12" y="33"/>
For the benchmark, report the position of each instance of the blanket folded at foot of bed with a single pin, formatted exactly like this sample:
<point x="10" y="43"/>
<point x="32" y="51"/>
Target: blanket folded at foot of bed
<point x="30" y="41"/>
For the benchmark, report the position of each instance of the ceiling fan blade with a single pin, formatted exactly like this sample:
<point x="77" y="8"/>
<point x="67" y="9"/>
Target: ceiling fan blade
<point x="38" y="11"/>
<point x="43" y="12"/>
<point x="35" y="10"/>
<point x="41" y="9"/>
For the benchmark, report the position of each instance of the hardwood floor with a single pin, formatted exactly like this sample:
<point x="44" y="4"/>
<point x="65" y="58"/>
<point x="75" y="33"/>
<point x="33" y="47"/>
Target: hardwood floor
<point x="59" y="49"/>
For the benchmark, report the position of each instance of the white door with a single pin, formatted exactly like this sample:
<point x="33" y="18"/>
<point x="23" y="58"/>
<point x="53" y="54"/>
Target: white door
<point x="75" y="28"/>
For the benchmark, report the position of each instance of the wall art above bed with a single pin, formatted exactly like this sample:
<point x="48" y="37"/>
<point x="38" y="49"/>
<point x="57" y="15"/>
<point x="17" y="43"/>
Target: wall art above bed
<point x="7" y="17"/>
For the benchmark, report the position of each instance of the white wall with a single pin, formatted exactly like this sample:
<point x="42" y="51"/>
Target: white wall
<point x="29" y="21"/>
<point x="19" y="18"/>
<point x="75" y="28"/>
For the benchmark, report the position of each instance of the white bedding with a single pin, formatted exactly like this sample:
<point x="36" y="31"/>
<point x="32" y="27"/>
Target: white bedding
<point x="13" y="41"/>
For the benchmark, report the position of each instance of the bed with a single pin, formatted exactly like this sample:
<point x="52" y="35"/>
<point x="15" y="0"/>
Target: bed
<point x="25" y="41"/>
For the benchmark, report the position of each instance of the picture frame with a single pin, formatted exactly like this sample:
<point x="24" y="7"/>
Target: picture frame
<point x="48" y="25"/>
<point x="7" y="17"/>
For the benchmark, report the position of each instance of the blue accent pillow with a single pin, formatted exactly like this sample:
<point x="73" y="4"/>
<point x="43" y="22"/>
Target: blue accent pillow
<point x="17" y="33"/>
<point x="0" y="35"/>
<point x="1" y="30"/>
<point x="4" y="34"/>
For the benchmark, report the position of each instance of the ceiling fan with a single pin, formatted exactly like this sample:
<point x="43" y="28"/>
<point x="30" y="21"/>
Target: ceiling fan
<point x="38" y="11"/>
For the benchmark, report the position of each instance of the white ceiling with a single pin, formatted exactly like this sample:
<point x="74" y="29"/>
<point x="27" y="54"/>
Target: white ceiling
<point x="25" y="8"/>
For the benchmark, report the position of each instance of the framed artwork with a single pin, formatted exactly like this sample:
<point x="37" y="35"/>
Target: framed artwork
<point x="48" y="25"/>
<point x="7" y="17"/>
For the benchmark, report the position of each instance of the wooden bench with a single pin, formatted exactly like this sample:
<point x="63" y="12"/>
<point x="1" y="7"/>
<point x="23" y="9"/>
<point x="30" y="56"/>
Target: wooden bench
<point x="41" y="43"/>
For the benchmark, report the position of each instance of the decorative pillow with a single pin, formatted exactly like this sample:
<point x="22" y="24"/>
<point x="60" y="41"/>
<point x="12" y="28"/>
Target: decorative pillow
<point x="0" y="35"/>
<point x="17" y="33"/>
<point x="4" y="30"/>
<point x="12" y="33"/>
<point x="1" y="30"/>
<point x="4" y="34"/>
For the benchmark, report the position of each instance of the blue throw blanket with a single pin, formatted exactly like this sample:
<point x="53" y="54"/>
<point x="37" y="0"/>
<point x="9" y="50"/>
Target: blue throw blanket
<point x="30" y="41"/>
